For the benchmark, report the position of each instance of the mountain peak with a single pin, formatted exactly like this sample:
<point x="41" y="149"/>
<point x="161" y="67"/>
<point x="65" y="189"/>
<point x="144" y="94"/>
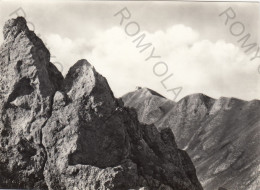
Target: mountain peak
<point x="82" y="63"/>
<point x="27" y="84"/>
<point x="14" y="26"/>
<point x="198" y="99"/>
<point x="83" y="80"/>
<point x="150" y="91"/>
<point x="198" y="96"/>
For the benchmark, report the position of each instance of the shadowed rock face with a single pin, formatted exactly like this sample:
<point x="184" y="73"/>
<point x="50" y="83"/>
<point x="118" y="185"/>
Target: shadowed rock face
<point x="93" y="142"/>
<point x="73" y="133"/>
<point x="27" y="84"/>
<point x="221" y="136"/>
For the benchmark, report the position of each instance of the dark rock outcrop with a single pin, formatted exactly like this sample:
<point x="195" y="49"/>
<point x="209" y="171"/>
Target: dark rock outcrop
<point x="28" y="82"/>
<point x="92" y="138"/>
<point x="73" y="133"/>
<point x="221" y="136"/>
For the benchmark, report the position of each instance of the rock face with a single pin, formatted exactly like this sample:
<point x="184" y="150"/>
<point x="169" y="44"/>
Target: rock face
<point x="28" y="82"/>
<point x="73" y="133"/>
<point x="93" y="142"/>
<point x="221" y="137"/>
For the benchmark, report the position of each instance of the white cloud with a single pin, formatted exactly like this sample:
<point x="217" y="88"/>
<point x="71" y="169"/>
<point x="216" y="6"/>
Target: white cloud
<point x="216" y="69"/>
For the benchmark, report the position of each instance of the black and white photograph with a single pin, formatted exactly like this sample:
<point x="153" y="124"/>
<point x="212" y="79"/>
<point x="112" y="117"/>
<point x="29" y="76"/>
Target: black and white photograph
<point x="129" y="95"/>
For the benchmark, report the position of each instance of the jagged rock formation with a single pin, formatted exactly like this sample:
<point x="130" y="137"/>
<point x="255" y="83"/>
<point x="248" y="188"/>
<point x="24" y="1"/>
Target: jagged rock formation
<point x="28" y="82"/>
<point x="221" y="136"/>
<point x="104" y="139"/>
<point x="73" y="133"/>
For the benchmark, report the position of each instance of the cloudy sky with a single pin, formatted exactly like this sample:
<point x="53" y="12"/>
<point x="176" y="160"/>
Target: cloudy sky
<point x="198" y="52"/>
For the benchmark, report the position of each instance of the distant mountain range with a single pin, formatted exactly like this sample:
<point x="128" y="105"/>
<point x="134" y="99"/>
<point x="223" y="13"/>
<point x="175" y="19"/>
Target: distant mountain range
<point x="222" y="136"/>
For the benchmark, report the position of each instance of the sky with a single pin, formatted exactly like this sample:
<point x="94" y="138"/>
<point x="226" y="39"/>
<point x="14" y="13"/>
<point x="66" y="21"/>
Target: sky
<point x="198" y="51"/>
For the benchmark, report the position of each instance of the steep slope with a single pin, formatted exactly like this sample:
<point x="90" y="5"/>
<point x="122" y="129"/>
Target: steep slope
<point x="221" y="136"/>
<point x="149" y="105"/>
<point x="73" y="133"/>
<point x="236" y="145"/>
<point x="186" y="117"/>
<point x="94" y="142"/>
<point x="28" y="82"/>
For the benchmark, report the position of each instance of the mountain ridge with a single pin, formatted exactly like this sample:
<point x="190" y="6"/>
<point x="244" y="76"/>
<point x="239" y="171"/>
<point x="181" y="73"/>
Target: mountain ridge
<point x="210" y="129"/>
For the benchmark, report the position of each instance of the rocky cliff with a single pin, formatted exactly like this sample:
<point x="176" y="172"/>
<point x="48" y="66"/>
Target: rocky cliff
<point x="221" y="136"/>
<point x="28" y="82"/>
<point x="72" y="133"/>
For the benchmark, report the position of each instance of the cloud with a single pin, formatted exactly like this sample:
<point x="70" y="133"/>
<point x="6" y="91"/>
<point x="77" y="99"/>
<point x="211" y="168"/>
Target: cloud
<point x="198" y="65"/>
